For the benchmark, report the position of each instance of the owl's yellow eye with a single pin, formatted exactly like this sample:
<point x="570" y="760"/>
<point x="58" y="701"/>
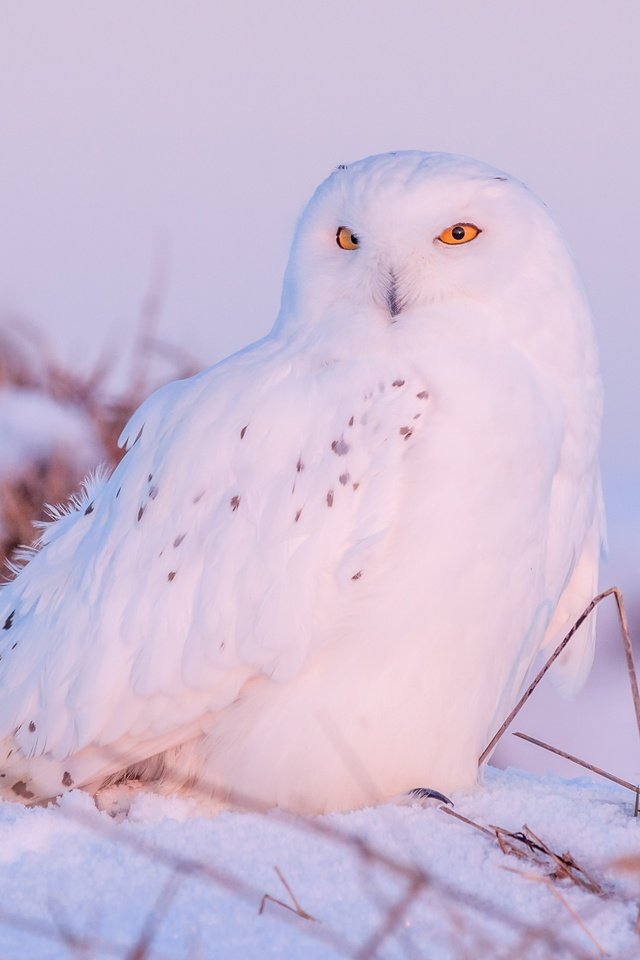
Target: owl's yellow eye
<point x="460" y="233"/>
<point x="345" y="239"/>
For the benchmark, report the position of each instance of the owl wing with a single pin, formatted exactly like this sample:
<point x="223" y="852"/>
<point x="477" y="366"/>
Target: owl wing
<point x="249" y="498"/>
<point x="585" y="533"/>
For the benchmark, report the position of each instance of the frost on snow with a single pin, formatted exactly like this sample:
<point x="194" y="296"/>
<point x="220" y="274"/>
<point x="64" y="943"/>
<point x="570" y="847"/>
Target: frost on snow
<point x="392" y="881"/>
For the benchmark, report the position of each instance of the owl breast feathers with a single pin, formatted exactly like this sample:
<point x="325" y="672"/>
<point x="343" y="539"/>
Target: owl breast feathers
<point x="321" y="572"/>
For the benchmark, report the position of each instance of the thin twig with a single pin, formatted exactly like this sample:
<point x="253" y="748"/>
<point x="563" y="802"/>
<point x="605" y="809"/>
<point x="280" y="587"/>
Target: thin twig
<point x="628" y="651"/>
<point x="296" y="908"/>
<point x="35" y="927"/>
<point x="582" y="763"/>
<point x="470" y="823"/>
<point x="566" y="864"/>
<point x="391" y="920"/>
<point x="536" y="878"/>
<point x="612" y="591"/>
<point x="142" y="946"/>
<point x="526" y="845"/>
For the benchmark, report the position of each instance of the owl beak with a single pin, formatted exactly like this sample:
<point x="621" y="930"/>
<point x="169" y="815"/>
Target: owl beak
<point x="394" y="301"/>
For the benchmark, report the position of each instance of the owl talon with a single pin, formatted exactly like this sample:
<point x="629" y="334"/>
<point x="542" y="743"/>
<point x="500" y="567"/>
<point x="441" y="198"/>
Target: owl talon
<point x="425" y="793"/>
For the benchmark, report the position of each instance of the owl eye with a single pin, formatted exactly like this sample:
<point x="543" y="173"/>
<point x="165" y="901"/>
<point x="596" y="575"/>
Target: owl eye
<point x="345" y="239"/>
<point x="459" y="233"/>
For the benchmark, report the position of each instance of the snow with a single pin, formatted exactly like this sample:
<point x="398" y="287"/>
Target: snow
<point x="73" y="872"/>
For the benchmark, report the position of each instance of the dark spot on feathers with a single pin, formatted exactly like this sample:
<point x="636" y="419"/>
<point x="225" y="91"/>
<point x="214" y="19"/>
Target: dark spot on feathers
<point x="198" y="497"/>
<point x="153" y="491"/>
<point x="299" y="465"/>
<point x="139" y="435"/>
<point x="398" y="383"/>
<point x="140" y="513"/>
<point x="343" y="166"/>
<point x="234" y="503"/>
<point x="340" y="447"/>
<point x="423" y="395"/>
<point x="66" y="779"/>
<point x="14" y="645"/>
<point x="417" y="416"/>
<point x="355" y="485"/>
<point x="406" y="431"/>
<point x="357" y="575"/>
<point x="32" y="726"/>
<point x="178" y="540"/>
<point x="330" y="498"/>
<point x="89" y="509"/>
<point x="150" y="477"/>
<point x="9" y="621"/>
<point x="297" y="516"/>
<point x="171" y="576"/>
<point x="243" y="431"/>
<point x="344" y="479"/>
<point x="20" y="790"/>
<point x="118" y="492"/>
<point x="351" y="421"/>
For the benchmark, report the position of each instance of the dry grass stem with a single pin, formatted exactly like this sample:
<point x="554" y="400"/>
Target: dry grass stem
<point x="611" y="591"/>
<point x="536" y="878"/>
<point x="526" y="845"/>
<point x="628" y="652"/>
<point x="296" y="908"/>
<point x="583" y="763"/>
<point x="142" y="947"/>
<point x="46" y="930"/>
<point x="471" y="823"/>
<point x="629" y="864"/>
<point x="391" y="920"/>
<point x="566" y="866"/>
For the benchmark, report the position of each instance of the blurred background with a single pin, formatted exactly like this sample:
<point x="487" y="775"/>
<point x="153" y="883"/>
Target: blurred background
<point x="154" y="159"/>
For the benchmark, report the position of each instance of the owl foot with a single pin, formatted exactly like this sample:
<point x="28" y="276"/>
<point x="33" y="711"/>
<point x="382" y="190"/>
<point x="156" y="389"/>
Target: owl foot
<point x="116" y="799"/>
<point x="426" y="793"/>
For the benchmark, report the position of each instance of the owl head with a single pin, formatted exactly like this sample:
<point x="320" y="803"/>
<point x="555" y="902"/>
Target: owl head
<point x="401" y="235"/>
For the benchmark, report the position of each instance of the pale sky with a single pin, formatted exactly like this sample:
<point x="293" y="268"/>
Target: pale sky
<point x="188" y="135"/>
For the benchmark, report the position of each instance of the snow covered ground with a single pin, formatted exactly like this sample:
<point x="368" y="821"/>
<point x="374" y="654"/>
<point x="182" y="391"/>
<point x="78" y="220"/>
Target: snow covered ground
<point x="395" y="881"/>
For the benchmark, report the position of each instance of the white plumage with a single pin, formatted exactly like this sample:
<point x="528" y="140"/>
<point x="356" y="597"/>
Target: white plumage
<point x="323" y="568"/>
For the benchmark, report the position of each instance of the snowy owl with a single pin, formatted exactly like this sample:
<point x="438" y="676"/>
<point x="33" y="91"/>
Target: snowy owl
<point x="320" y="574"/>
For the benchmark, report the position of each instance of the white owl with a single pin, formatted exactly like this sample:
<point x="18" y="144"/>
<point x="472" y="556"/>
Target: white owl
<point x="323" y="568"/>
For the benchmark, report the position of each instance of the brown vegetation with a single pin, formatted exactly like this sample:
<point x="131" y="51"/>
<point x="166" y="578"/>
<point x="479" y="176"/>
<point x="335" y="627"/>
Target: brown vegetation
<point x="28" y="363"/>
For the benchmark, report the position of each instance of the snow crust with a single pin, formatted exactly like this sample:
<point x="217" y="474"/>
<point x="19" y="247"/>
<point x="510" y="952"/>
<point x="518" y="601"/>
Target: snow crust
<point x="70" y="872"/>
